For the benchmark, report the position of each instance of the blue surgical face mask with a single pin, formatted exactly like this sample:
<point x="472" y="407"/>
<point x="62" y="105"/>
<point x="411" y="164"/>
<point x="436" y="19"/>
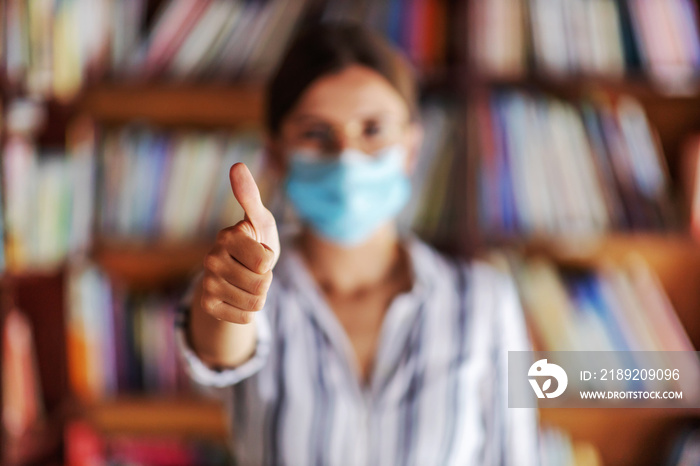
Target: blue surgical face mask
<point x="347" y="198"/>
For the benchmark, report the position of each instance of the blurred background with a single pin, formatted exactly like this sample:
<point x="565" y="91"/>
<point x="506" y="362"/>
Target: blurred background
<point x="562" y="144"/>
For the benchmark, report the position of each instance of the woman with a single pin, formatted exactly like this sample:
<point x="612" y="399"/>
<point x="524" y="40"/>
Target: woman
<point x="367" y="346"/>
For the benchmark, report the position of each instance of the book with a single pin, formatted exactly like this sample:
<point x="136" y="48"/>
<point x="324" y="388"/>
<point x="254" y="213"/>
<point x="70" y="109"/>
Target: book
<point x="22" y="405"/>
<point x="690" y="182"/>
<point x="668" y="39"/>
<point x="498" y="36"/>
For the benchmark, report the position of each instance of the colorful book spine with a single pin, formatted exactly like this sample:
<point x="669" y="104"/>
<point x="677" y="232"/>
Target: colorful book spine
<point x="48" y="208"/>
<point x="548" y="167"/>
<point x="599" y="38"/>
<point x="615" y="307"/>
<point x="120" y="341"/>
<point x="170" y="185"/>
<point x="56" y="48"/>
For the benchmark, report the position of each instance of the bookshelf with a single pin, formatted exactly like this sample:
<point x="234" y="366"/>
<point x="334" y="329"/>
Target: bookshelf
<point x="629" y="436"/>
<point x="622" y="436"/>
<point x="675" y="258"/>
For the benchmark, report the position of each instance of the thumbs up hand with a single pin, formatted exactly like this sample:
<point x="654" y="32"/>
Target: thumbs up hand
<point x="238" y="269"/>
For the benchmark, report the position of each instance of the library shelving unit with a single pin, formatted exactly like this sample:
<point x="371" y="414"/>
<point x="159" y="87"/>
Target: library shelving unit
<point x="623" y="436"/>
<point x="639" y="436"/>
<point x="146" y="266"/>
<point x="137" y="265"/>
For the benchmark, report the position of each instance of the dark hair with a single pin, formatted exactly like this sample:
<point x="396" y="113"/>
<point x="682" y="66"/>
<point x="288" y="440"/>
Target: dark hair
<point x="330" y="47"/>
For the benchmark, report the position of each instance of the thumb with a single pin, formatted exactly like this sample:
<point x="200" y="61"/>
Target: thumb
<point x="248" y="196"/>
<point x="246" y="191"/>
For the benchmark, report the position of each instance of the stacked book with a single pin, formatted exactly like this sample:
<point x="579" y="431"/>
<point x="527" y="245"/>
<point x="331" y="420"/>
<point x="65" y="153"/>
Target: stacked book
<point x="141" y="185"/>
<point x="49" y="196"/>
<point x="594" y="38"/>
<point x="119" y="341"/>
<point x="170" y="185"/>
<point x="54" y="47"/>
<point x="549" y="167"/>
<point x="611" y="308"/>
<point x="614" y="307"/>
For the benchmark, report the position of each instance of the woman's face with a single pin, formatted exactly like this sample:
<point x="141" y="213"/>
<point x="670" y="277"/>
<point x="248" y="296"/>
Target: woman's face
<point x="356" y="108"/>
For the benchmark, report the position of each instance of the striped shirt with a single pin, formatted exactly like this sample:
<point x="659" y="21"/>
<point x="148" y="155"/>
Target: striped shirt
<point x="438" y="389"/>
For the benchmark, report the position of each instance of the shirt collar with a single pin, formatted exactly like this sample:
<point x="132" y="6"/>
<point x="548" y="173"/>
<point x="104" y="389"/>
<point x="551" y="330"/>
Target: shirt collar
<point x="293" y="269"/>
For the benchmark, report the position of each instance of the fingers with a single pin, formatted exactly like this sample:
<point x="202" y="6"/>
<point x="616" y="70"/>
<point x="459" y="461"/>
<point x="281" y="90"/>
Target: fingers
<point x="221" y="291"/>
<point x="238" y="275"/>
<point x="225" y="301"/>
<point x="236" y="278"/>
<point x="236" y="241"/>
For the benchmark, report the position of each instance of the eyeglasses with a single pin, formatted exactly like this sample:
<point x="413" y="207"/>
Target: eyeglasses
<point x="369" y="135"/>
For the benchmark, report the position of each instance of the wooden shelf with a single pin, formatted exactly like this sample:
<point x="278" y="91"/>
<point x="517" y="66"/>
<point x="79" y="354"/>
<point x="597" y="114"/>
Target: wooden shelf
<point x="145" y="265"/>
<point x="624" y="436"/>
<point x="665" y="252"/>
<point x="587" y="250"/>
<point x="176" y="104"/>
<point x="577" y="85"/>
<point x="159" y="416"/>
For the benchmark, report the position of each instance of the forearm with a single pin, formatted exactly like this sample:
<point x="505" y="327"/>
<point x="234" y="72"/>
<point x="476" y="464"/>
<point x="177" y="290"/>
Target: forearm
<point x="219" y="343"/>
